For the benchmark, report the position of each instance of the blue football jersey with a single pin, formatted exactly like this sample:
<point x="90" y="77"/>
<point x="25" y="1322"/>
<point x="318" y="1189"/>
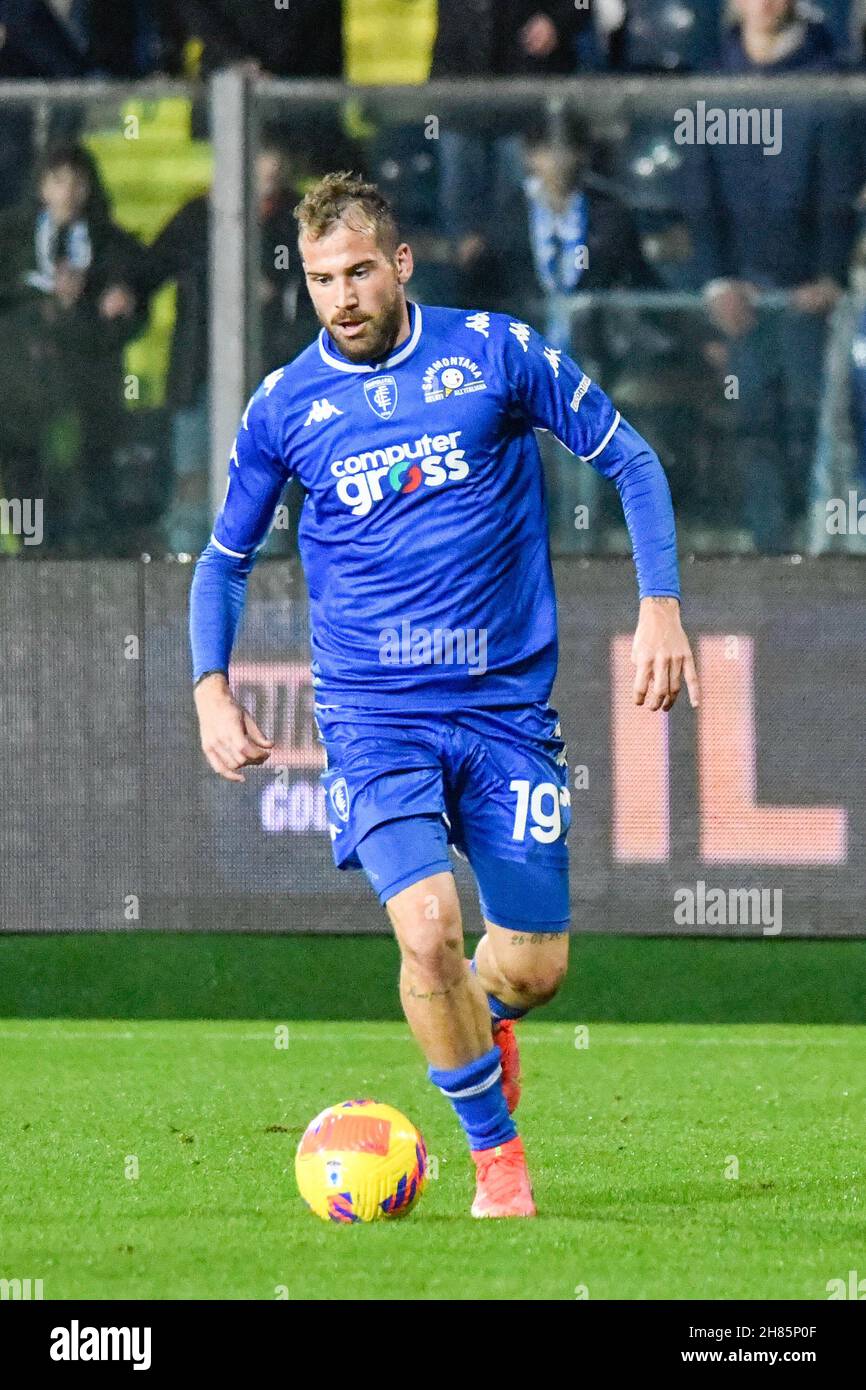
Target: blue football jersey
<point x="423" y="533"/>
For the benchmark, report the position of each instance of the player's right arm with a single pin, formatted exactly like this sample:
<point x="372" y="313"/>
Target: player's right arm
<point x="230" y="738"/>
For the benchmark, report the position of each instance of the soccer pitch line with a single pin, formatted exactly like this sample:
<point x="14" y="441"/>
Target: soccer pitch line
<point x="553" y="1033"/>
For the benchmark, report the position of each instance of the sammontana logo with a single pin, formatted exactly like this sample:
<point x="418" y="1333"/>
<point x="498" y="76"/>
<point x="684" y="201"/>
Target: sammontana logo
<point x="451" y="376"/>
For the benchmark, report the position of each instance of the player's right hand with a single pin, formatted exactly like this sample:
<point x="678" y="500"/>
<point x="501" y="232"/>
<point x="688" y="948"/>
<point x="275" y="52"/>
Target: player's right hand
<point x="230" y="737"/>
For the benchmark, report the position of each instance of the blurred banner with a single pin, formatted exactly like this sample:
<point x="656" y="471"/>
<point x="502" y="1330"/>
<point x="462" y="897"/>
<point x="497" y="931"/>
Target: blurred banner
<point x="747" y="817"/>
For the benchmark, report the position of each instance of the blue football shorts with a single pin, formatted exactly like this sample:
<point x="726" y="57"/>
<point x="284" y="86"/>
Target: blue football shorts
<point x="401" y="786"/>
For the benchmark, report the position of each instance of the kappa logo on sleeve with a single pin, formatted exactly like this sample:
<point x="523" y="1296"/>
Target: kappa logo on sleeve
<point x="480" y="323"/>
<point x="521" y="332"/>
<point x="272" y="379"/>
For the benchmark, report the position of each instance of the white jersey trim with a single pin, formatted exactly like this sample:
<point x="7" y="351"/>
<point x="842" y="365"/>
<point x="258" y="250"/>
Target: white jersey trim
<point x="585" y="458"/>
<point x="236" y="554"/>
<point x="393" y="361"/>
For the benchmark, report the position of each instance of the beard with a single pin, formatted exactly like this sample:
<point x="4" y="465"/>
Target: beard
<point x="378" y="337"/>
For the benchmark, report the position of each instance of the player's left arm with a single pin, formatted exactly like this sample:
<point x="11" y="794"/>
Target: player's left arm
<point x="230" y="737"/>
<point x="556" y="395"/>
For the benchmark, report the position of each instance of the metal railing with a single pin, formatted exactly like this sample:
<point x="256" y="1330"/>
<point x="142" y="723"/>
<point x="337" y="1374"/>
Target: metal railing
<point x="239" y="104"/>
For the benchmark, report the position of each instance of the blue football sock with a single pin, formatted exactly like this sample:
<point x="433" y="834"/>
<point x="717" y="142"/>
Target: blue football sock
<point x="499" y="1010"/>
<point x="475" y="1091"/>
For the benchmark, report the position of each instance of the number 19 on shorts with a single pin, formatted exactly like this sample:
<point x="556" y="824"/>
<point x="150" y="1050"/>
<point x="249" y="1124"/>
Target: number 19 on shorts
<point x="542" y="806"/>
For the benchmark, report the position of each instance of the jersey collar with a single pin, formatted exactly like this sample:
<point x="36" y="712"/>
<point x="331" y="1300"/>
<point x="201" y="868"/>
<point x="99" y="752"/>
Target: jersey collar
<point x="332" y="357"/>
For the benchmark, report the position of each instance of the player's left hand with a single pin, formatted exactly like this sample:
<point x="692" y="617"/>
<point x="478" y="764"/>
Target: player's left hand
<point x="661" y="656"/>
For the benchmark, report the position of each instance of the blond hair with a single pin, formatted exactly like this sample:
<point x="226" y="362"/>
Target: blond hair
<point x="346" y="198"/>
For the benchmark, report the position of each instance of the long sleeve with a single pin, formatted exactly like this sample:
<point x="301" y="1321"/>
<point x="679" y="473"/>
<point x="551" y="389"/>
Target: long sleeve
<point x="555" y="394"/>
<point x="646" y="503"/>
<point x="216" y="603"/>
<point x="257" y="476"/>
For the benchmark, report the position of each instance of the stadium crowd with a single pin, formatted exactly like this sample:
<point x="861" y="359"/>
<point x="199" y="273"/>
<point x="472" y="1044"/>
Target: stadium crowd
<point x="511" y="208"/>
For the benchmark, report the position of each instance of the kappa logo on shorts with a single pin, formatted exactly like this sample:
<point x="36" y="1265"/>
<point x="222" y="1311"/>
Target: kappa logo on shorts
<point x="338" y="794"/>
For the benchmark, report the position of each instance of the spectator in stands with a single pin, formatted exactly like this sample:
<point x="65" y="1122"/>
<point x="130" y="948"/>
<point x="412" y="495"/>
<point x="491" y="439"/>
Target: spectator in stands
<point x="581" y="237"/>
<point x="302" y="39"/>
<point x="67" y="309"/>
<point x="80" y="38"/>
<point x="180" y="254"/>
<point x="659" y="35"/>
<point x="403" y="163"/>
<point x="480" y="157"/>
<point x="844" y="19"/>
<point x="858" y="396"/>
<point x="499" y="38"/>
<point x="34" y="43"/>
<point x="122" y="40"/>
<point x="778" y="222"/>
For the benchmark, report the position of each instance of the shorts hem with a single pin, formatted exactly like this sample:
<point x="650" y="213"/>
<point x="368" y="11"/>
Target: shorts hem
<point x="521" y="924"/>
<point x="436" y="866"/>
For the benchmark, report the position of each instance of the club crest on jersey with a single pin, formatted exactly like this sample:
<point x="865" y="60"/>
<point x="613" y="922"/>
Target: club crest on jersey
<point x="451" y="376"/>
<point x="381" y="393"/>
<point x="338" y="793"/>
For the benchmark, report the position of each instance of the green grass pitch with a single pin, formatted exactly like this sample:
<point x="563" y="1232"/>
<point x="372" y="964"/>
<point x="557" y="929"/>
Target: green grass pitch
<point x="633" y="1141"/>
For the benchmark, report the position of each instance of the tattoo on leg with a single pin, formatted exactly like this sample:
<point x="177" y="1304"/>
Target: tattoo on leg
<point x="536" y="938"/>
<point x="413" y="993"/>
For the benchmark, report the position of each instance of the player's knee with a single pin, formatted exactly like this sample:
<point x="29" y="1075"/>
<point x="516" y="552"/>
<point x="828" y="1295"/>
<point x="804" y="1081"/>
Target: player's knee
<point x="429" y="933"/>
<point x="432" y="950"/>
<point x="535" y="981"/>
